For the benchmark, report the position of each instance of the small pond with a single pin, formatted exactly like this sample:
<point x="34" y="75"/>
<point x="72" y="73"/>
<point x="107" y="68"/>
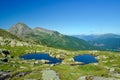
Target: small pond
<point x="86" y="58"/>
<point x="40" y="56"/>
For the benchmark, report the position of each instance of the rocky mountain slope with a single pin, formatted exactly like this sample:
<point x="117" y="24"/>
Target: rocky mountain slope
<point x="20" y="29"/>
<point x="48" y="37"/>
<point x="8" y="39"/>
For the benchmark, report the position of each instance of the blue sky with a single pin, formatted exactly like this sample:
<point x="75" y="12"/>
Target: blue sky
<point x="66" y="16"/>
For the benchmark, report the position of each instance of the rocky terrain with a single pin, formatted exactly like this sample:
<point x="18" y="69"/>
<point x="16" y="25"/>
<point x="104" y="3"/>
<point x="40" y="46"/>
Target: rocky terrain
<point x="12" y="67"/>
<point x="106" y="69"/>
<point x="48" y="37"/>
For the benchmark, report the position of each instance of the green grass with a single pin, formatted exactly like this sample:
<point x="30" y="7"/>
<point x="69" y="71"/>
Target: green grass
<point x="65" y="72"/>
<point x="74" y="72"/>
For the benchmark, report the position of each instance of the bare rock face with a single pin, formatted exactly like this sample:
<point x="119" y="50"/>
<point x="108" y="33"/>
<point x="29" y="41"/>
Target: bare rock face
<point x="20" y="29"/>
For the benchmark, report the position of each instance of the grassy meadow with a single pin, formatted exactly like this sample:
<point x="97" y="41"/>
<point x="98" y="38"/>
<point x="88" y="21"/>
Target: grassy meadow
<point x="33" y="69"/>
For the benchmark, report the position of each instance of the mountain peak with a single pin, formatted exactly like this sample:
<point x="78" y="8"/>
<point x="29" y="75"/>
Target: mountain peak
<point x="19" y="29"/>
<point x="20" y="24"/>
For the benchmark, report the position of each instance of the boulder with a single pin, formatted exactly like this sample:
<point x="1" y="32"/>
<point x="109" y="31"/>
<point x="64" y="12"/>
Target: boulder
<point x="49" y="75"/>
<point x="5" y="60"/>
<point x="112" y="70"/>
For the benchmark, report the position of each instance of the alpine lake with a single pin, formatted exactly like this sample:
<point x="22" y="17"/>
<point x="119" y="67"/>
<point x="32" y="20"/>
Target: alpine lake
<point x="86" y="58"/>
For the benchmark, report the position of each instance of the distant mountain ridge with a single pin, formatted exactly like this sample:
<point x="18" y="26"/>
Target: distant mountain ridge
<point x="48" y="37"/>
<point x="85" y="37"/>
<point x="106" y="41"/>
<point x="94" y="37"/>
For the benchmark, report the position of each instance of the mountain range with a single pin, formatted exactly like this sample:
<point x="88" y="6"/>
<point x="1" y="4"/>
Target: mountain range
<point x="20" y="32"/>
<point x="106" y="41"/>
<point x="48" y="37"/>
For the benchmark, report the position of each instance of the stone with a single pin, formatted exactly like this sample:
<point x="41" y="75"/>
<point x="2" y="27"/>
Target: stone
<point x="112" y="70"/>
<point x="5" y="60"/>
<point x="49" y="75"/>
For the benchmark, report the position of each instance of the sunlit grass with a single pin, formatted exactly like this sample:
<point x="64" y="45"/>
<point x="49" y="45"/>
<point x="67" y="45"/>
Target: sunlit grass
<point x="65" y="71"/>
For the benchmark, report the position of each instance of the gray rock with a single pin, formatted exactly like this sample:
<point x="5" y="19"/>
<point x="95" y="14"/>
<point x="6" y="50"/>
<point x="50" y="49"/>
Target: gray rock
<point x="49" y="75"/>
<point x="112" y="70"/>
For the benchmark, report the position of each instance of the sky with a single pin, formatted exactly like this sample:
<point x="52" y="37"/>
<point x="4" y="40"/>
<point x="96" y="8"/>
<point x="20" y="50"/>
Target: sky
<point x="70" y="17"/>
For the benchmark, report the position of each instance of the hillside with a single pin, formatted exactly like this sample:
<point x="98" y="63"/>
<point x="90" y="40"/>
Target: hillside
<point x="8" y="39"/>
<point x="6" y="34"/>
<point x="48" y="37"/>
